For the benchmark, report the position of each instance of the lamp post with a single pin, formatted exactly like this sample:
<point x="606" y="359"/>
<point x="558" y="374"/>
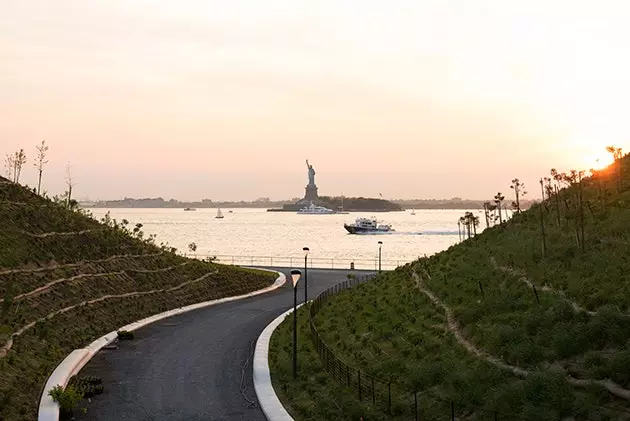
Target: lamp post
<point x="380" y="245"/>
<point x="295" y="277"/>
<point x="306" y="250"/>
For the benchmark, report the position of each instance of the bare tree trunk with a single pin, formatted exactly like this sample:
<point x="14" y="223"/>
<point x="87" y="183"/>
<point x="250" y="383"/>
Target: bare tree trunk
<point x="582" y="213"/>
<point x="558" y="204"/>
<point x="39" y="182"/>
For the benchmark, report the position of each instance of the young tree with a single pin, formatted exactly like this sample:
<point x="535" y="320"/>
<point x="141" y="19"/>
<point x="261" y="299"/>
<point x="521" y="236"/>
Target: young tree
<point x="617" y="155"/>
<point x="9" y="166"/>
<point x="192" y="247"/>
<point x="487" y="208"/>
<point x="519" y="190"/>
<point x="18" y="160"/>
<point x="42" y="151"/>
<point x="542" y="217"/>
<point x="70" y="183"/>
<point x="498" y="200"/>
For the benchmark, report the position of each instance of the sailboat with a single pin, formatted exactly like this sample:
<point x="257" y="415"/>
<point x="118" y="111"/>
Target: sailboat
<point x="219" y="214"/>
<point x="340" y="208"/>
<point x="413" y="211"/>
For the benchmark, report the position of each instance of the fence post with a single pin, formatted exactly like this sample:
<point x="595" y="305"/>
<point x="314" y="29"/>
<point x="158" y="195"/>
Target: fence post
<point x="415" y="401"/>
<point x="452" y="411"/>
<point x="389" y="398"/>
<point x="359" y="381"/>
<point x="496" y="416"/>
<point x="536" y="293"/>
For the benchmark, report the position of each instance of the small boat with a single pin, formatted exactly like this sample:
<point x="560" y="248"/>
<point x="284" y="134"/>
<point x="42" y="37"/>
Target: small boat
<point x="230" y="211"/>
<point x="190" y="209"/>
<point x="219" y="214"/>
<point x="340" y="208"/>
<point x="413" y="211"/>
<point x="315" y="210"/>
<point x="367" y="225"/>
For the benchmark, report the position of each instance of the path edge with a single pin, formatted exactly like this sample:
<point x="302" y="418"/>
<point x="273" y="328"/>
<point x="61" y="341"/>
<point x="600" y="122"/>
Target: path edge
<point x="77" y="359"/>
<point x="267" y="398"/>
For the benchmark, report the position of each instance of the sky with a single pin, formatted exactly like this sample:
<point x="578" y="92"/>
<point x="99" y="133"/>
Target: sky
<point x="225" y="100"/>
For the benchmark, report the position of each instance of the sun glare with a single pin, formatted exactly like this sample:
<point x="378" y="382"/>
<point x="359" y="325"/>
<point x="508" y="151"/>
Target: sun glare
<point x="601" y="161"/>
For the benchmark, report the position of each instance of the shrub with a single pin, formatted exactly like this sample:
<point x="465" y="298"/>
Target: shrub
<point x="67" y="399"/>
<point x="124" y="335"/>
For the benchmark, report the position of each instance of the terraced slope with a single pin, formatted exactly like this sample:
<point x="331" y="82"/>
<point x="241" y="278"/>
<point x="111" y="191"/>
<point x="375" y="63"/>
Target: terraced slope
<point x="66" y="279"/>
<point x="496" y="326"/>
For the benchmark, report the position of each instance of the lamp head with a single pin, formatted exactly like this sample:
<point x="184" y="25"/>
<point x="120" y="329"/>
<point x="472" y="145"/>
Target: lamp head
<point x="295" y="276"/>
<point x="380" y="243"/>
<point x="306" y="250"/>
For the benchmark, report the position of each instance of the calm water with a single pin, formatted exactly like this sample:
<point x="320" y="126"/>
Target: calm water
<point x="256" y="232"/>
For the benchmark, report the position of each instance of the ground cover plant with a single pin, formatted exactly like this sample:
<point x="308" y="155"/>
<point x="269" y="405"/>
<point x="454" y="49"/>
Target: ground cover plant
<point x="66" y="279"/>
<point x="529" y="320"/>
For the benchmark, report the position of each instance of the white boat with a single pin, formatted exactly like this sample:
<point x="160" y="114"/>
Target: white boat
<point x="219" y="214"/>
<point x="315" y="210"/>
<point x="367" y="225"/>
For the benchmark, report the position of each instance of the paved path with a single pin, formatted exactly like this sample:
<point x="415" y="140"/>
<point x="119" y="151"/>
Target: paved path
<point x="196" y="366"/>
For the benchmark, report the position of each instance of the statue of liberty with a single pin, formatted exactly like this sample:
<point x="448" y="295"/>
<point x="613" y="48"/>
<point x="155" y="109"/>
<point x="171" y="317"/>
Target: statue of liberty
<point x="311" y="174"/>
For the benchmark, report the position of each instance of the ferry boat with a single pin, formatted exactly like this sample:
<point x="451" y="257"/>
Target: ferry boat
<point x="315" y="210"/>
<point x="367" y="225"/>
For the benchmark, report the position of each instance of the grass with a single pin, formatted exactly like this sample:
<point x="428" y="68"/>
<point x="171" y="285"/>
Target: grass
<point x="41" y="275"/>
<point x="573" y="326"/>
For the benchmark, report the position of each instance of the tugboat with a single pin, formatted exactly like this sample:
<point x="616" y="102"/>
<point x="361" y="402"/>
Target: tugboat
<point x="366" y="226"/>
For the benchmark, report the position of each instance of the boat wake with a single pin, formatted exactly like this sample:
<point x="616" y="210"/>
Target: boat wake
<point x="408" y="233"/>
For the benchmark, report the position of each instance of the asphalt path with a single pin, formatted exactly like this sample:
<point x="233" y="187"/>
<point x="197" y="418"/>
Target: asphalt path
<point x="195" y="366"/>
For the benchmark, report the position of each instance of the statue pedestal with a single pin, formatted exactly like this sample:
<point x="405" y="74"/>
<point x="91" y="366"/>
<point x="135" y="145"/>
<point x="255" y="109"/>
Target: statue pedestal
<point x="311" y="193"/>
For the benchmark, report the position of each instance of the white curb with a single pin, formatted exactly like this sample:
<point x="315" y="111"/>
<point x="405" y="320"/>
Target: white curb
<point x="73" y="363"/>
<point x="269" y="402"/>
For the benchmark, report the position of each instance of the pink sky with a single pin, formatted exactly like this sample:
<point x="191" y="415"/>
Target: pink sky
<point x="225" y="100"/>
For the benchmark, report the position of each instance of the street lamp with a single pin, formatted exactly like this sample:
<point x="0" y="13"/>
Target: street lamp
<point x="306" y="250"/>
<point x="380" y="245"/>
<point x="295" y="277"/>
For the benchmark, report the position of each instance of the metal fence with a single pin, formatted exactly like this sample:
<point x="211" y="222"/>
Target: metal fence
<point x="398" y="401"/>
<point x="313" y="262"/>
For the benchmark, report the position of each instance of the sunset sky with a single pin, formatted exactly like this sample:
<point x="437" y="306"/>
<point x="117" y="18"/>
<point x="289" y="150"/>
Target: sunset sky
<point x="226" y="99"/>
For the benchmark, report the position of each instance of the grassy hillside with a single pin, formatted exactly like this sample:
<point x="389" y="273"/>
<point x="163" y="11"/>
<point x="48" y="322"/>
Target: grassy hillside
<point x="501" y="323"/>
<point x="66" y="279"/>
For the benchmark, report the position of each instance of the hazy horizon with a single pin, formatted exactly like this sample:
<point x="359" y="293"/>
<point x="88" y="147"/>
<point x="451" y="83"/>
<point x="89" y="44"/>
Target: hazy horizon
<point x="225" y="100"/>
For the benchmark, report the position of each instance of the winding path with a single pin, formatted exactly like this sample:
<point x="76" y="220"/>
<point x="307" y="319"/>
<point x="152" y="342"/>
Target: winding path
<point x="195" y="366"/>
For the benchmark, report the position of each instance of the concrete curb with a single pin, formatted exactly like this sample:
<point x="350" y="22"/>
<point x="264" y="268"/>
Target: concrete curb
<point x="269" y="402"/>
<point x="77" y="359"/>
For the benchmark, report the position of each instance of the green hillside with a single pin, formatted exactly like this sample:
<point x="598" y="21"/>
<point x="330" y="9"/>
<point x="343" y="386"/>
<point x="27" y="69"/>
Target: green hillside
<point x="503" y="325"/>
<point x="66" y="279"/>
